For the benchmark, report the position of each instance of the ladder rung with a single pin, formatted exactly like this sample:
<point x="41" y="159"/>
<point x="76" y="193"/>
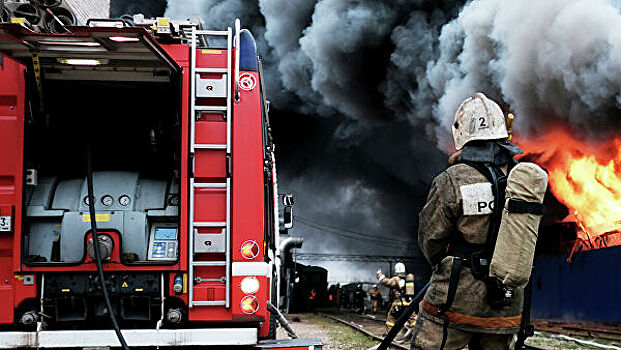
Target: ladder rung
<point x="211" y="70"/>
<point x="209" y="146"/>
<point x="210" y="224"/>
<point x="210" y="185"/>
<point x="210" y="108"/>
<point x="211" y="32"/>
<point x="209" y="303"/>
<point x="209" y="263"/>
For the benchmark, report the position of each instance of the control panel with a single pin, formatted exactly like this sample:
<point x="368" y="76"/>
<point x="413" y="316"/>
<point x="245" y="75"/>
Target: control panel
<point x="163" y="242"/>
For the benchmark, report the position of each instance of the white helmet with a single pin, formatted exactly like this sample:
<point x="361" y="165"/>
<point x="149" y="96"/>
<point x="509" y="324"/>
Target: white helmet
<point x="399" y="269"/>
<point x="478" y="118"/>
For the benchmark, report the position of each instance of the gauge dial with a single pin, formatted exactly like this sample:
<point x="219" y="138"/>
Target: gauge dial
<point x="124" y="200"/>
<point x="107" y="200"/>
<point x="86" y="200"/>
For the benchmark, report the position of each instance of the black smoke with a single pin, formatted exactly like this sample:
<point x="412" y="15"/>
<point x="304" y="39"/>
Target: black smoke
<point x="363" y="94"/>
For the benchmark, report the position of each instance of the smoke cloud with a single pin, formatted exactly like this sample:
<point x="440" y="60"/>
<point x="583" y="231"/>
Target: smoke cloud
<point x="547" y="61"/>
<point x="363" y="92"/>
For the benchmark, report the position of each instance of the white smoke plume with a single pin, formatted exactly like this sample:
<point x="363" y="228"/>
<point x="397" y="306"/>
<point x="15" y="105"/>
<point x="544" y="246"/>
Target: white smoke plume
<point x="544" y="60"/>
<point x="549" y="61"/>
<point x="363" y="90"/>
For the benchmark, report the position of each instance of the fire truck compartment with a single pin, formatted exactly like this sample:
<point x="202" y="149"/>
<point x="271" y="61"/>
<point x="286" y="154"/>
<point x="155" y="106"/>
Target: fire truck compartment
<point x="133" y="129"/>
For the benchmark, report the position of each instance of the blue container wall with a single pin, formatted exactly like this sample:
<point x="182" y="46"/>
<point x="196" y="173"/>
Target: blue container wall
<point x="589" y="289"/>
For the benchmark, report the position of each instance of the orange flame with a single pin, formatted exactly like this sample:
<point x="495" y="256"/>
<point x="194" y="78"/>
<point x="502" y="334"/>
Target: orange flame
<point x="586" y="178"/>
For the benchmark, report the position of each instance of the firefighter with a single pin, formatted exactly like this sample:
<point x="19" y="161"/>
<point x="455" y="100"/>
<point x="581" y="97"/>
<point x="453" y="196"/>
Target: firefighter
<point x="376" y="298"/>
<point x="401" y="300"/>
<point x="453" y="225"/>
<point x="359" y="296"/>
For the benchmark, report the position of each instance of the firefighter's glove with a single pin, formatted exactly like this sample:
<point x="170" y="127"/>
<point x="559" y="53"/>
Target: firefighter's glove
<point x="380" y="276"/>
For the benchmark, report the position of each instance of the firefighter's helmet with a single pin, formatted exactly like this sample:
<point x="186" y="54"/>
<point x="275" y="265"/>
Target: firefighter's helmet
<point x="478" y="118"/>
<point x="399" y="269"/>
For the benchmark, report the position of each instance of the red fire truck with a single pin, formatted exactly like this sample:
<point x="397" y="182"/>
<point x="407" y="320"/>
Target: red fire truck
<point x="142" y="147"/>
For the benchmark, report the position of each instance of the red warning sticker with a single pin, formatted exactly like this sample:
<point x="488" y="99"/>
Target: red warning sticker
<point x="247" y="81"/>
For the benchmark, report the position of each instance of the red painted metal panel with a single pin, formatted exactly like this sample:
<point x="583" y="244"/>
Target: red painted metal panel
<point x="211" y="58"/>
<point x="209" y="313"/>
<point x="211" y="132"/>
<point x="262" y="295"/>
<point x="247" y="214"/>
<point x="211" y="204"/>
<point x="12" y="107"/>
<point x="209" y="163"/>
<point x="23" y="292"/>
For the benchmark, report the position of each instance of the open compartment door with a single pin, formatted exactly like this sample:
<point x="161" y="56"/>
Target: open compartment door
<point x="12" y="90"/>
<point x="90" y="53"/>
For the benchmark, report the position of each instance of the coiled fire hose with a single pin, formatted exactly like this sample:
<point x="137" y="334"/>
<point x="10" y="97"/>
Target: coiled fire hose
<point x="102" y="281"/>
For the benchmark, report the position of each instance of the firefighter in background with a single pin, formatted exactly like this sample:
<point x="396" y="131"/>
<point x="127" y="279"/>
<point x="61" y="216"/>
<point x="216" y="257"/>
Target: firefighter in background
<point x="359" y="296"/>
<point x="376" y="298"/>
<point x="453" y="224"/>
<point x="402" y="295"/>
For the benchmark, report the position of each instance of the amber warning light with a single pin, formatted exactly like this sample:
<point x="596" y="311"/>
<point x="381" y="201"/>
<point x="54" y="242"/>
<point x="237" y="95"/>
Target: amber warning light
<point x="249" y="249"/>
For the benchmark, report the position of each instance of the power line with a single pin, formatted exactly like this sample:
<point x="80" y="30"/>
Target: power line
<point x="374" y="236"/>
<point x="358" y="258"/>
<point x="376" y="241"/>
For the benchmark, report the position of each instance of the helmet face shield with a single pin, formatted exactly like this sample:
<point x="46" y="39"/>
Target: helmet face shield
<point x="478" y="118"/>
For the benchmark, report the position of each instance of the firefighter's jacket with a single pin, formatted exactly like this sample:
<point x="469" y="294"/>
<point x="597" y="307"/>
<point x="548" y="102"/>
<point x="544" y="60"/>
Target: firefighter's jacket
<point x="395" y="283"/>
<point x="454" y="207"/>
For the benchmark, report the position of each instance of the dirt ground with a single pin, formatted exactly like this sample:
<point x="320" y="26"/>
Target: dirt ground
<point x="333" y="335"/>
<point x="336" y="336"/>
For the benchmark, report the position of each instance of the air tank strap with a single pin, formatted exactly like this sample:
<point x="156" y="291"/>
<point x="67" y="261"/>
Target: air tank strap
<point x="520" y="206"/>
<point x="450" y="297"/>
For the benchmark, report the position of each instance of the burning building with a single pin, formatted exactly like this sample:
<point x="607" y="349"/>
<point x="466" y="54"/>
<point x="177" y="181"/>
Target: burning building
<point x="363" y="94"/>
<point x="587" y="179"/>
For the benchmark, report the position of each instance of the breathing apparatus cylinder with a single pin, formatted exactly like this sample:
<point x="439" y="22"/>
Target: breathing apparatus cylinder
<point x="409" y="285"/>
<point x="512" y="261"/>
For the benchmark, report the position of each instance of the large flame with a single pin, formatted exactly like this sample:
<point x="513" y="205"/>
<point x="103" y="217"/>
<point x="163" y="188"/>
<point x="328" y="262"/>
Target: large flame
<point x="586" y="177"/>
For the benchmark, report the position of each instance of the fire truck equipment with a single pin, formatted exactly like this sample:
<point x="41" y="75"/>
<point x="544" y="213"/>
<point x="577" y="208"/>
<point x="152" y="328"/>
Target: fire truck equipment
<point x="57" y="18"/>
<point x="177" y="227"/>
<point x="96" y="247"/>
<point x="105" y="244"/>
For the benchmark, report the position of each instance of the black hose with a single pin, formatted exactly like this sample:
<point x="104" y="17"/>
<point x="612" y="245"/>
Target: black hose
<point x="404" y="317"/>
<point x="91" y="210"/>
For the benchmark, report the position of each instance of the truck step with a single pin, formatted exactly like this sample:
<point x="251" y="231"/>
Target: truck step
<point x="211" y="70"/>
<point x="209" y="263"/>
<point x="209" y="303"/>
<point x="209" y="146"/>
<point x="210" y="224"/>
<point x="210" y="108"/>
<point x="210" y="185"/>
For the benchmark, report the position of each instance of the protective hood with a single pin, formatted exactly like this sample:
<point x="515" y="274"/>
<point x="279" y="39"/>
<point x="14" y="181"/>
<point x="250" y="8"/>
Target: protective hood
<point x="497" y="152"/>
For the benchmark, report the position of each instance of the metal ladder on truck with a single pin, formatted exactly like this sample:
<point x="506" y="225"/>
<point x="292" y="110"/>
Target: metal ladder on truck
<point x="196" y="110"/>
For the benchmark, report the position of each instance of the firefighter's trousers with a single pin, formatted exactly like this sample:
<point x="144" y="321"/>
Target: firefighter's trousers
<point x="428" y="335"/>
<point x="396" y="309"/>
<point x="374" y="304"/>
